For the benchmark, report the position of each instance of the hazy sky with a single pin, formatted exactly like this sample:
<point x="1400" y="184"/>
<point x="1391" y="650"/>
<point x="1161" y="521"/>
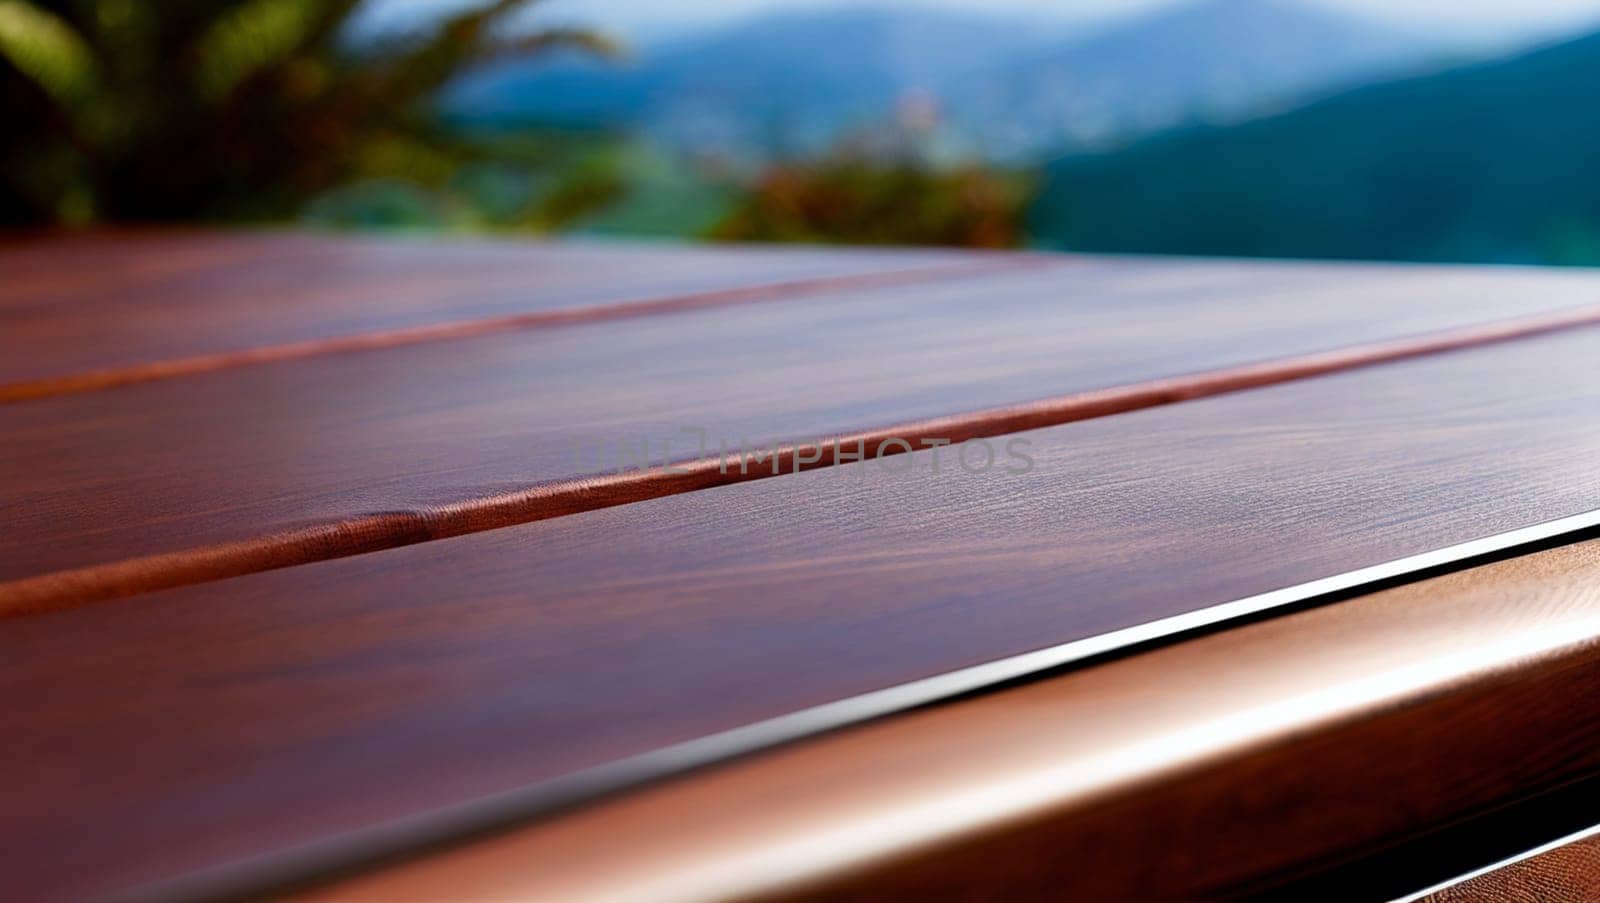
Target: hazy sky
<point x="1486" y="18"/>
<point x="1521" y="15"/>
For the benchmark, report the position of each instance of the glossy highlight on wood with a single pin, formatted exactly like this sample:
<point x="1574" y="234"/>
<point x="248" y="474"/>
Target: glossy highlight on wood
<point x="1567" y="872"/>
<point x="343" y="696"/>
<point x="1249" y="757"/>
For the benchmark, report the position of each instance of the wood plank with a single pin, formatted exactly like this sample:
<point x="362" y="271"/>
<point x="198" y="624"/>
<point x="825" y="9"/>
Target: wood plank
<point x="1250" y="757"/>
<point x="87" y="312"/>
<point x="1570" y="871"/>
<point x="219" y="474"/>
<point x="316" y="702"/>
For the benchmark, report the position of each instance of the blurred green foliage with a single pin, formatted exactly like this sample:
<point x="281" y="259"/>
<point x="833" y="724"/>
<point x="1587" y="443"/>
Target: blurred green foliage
<point x="663" y="195"/>
<point x="855" y="197"/>
<point x="268" y="110"/>
<point x="530" y="181"/>
<point x="242" y="109"/>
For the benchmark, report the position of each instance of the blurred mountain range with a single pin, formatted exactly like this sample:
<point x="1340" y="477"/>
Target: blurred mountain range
<point x="794" y="83"/>
<point x="1497" y="162"/>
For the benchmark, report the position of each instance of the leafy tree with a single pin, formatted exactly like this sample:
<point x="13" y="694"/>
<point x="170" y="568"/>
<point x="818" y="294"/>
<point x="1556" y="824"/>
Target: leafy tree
<point x="181" y="109"/>
<point x="853" y="197"/>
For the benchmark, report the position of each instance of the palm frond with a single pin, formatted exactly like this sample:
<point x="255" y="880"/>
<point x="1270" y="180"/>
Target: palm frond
<point x="330" y="21"/>
<point x="156" y="109"/>
<point x="46" y="49"/>
<point x="547" y="40"/>
<point x="251" y="38"/>
<point x="458" y="41"/>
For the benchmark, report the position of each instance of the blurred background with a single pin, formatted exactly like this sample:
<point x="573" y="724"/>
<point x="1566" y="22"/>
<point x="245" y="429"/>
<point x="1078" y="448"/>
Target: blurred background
<point x="1406" y="130"/>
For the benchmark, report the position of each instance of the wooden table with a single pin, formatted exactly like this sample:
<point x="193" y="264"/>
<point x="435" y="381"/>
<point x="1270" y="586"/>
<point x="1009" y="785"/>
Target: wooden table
<point x="323" y="556"/>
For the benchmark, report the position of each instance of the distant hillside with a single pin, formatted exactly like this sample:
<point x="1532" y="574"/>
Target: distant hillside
<point x="1213" y="59"/>
<point x="788" y="82"/>
<point x="1494" y="162"/>
<point x="793" y="82"/>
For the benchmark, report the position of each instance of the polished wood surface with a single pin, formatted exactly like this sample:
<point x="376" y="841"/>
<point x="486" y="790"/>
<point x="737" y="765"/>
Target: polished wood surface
<point x="248" y="468"/>
<point x="1204" y="769"/>
<point x="89" y="312"/>
<point x="334" y="697"/>
<point x="1569" y="873"/>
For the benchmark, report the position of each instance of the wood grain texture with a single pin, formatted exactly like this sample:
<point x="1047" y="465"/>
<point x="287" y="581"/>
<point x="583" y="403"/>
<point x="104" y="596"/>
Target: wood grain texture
<point x="1566" y="874"/>
<point x="215" y="475"/>
<point x="89" y="312"/>
<point x="295" y="706"/>
<point x="1234" y="761"/>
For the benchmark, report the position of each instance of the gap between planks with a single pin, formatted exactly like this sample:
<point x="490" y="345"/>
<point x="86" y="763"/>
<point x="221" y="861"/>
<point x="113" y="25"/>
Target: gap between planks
<point x="95" y="380"/>
<point x="392" y="529"/>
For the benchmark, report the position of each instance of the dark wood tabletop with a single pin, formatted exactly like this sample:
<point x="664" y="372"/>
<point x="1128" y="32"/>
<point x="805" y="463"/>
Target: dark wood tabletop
<point x="286" y="455"/>
<point x="318" y="548"/>
<point x="1267" y="749"/>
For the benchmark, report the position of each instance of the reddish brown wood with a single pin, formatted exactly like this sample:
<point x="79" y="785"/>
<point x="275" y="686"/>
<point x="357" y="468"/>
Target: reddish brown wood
<point x="252" y="714"/>
<point x="96" y="311"/>
<point x="213" y="475"/>
<point x="1240" y="759"/>
<point x="1568" y="873"/>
